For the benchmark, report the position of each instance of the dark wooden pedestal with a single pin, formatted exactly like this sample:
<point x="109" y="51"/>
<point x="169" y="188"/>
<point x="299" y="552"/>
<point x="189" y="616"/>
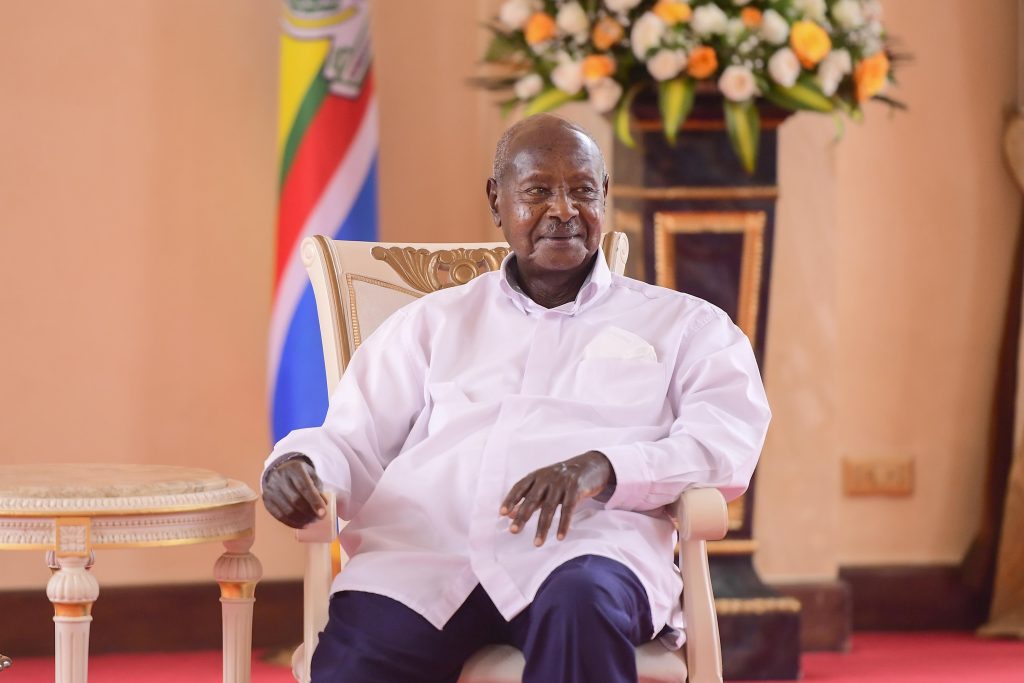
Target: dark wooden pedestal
<point x="699" y="224"/>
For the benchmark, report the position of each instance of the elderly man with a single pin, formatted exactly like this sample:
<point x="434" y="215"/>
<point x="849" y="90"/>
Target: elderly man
<point x="504" y="449"/>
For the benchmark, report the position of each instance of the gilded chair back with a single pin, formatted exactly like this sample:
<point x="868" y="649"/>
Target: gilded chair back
<point x="357" y="285"/>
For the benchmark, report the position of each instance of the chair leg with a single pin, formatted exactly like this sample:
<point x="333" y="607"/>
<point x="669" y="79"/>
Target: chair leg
<point x="237" y="572"/>
<point x="72" y="590"/>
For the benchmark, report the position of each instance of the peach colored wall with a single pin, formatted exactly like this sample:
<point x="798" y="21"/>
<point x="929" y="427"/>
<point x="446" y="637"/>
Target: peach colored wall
<point x="137" y="201"/>
<point x="904" y="280"/>
<point x="928" y="222"/>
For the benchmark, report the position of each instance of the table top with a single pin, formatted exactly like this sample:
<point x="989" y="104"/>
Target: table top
<point x="113" y="489"/>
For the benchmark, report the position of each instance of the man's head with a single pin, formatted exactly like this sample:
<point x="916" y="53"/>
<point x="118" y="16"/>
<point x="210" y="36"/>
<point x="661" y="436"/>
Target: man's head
<point x="547" y="194"/>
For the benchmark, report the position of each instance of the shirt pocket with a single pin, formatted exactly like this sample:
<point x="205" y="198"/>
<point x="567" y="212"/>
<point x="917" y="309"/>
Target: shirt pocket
<point x="619" y="382"/>
<point x="447" y="401"/>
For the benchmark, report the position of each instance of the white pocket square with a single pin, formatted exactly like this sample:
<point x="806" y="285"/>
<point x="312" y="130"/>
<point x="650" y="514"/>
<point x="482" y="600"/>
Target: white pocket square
<point x="615" y="342"/>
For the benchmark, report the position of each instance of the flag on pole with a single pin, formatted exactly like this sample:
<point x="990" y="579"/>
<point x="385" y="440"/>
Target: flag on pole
<point x="327" y="146"/>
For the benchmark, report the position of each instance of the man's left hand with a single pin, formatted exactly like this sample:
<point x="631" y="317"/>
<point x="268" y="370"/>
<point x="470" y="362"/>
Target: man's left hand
<point x="563" y="484"/>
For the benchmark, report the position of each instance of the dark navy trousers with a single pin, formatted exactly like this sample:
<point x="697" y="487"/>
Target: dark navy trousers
<point x="582" y="627"/>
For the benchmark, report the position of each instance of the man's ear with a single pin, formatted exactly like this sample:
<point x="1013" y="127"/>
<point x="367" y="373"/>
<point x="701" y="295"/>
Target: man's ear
<point x="492" y="201"/>
<point x="605" y="186"/>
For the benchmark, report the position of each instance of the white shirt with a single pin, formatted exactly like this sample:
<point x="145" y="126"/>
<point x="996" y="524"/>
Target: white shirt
<point x="463" y="392"/>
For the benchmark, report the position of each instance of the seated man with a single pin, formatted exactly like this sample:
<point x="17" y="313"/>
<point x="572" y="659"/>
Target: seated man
<point x="551" y="398"/>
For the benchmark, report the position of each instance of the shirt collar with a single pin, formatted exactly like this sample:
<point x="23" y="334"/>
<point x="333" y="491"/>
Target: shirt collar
<point x="598" y="280"/>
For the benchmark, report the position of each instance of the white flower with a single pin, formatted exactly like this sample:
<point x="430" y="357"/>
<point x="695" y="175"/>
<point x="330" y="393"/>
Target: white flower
<point x="528" y="86"/>
<point x="646" y="34"/>
<point x="848" y="14"/>
<point x="812" y="9"/>
<point x="734" y="29"/>
<point x="568" y="75"/>
<point x="832" y="70"/>
<point x="784" y="67"/>
<point x="737" y="83"/>
<point x="604" y="94"/>
<point x="774" y="27"/>
<point x="873" y="10"/>
<point x="514" y="13"/>
<point x="708" y="20"/>
<point x="618" y="6"/>
<point x="572" y="19"/>
<point x="666" y="64"/>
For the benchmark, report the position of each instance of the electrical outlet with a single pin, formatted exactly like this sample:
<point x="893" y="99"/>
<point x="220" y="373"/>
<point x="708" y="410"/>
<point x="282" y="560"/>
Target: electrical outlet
<point x="878" y="477"/>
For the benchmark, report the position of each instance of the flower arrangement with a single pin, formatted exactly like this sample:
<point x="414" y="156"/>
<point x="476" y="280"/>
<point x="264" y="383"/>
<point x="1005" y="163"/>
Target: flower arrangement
<point x="816" y="55"/>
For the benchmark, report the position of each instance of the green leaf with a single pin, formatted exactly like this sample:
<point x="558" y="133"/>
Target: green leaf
<point x="804" y="94"/>
<point x="501" y="46"/>
<point x="623" y="117"/>
<point x="552" y="98"/>
<point x="675" y="100"/>
<point x="840" y="127"/>
<point x="743" y="124"/>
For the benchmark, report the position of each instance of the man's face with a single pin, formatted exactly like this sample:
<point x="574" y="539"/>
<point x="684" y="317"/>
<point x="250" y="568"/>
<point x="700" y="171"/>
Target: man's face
<point x="550" y="202"/>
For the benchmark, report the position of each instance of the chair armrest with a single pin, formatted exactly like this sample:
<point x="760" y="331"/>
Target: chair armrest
<point x="323" y="530"/>
<point x="701" y="516"/>
<point x="316" y="584"/>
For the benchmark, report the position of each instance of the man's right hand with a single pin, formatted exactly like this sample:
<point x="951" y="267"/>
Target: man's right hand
<point x="291" y="493"/>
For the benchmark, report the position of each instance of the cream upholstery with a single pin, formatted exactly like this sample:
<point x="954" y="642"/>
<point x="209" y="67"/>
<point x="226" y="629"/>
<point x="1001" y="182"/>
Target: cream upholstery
<point x="357" y="285"/>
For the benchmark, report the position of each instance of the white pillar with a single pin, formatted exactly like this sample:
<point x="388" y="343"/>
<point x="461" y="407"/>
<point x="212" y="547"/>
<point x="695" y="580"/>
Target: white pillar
<point x="72" y="590"/>
<point x="237" y="572"/>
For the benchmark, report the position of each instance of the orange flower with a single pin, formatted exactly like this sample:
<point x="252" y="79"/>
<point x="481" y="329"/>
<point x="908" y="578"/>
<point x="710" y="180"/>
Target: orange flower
<point x="703" y="62"/>
<point x="871" y="75"/>
<point x="672" y="12"/>
<point x="751" y="17"/>
<point x="596" y="67"/>
<point x="539" y="28"/>
<point x="810" y="42"/>
<point x="606" y="33"/>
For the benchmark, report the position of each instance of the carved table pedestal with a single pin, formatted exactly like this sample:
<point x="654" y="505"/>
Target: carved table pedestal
<point x="72" y="510"/>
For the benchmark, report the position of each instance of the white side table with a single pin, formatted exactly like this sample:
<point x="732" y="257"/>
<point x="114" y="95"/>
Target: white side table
<point x="70" y="510"/>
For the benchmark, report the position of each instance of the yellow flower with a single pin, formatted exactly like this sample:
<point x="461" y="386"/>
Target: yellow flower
<point x="606" y="33"/>
<point x="810" y="42"/>
<point x="751" y="17"/>
<point x="539" y="28"/>
<point x="672" y="12"/>
<point x="871" y="75"/>
<point x="596" y="67"/>
<point x="703" y="62"/>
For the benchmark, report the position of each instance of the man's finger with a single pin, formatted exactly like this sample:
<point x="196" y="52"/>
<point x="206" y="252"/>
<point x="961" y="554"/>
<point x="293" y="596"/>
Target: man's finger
<point x="311" y="492"/>
<point x="547" y="514"/>
<point x="516" y="494"/>
<point x="565" y="515"/>
<point x="527" y="509"/>
<point x="296" y="502"/>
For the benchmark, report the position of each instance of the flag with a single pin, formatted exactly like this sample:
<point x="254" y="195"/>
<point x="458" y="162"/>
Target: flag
<point x="327" y="146"/>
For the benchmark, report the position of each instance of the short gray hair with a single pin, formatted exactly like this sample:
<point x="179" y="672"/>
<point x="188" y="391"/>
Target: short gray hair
<point x="501" y="156"/>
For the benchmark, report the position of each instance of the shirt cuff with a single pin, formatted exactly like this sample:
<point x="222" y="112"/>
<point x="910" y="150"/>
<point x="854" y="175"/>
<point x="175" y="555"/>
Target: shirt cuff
<point x="632" y="478"/>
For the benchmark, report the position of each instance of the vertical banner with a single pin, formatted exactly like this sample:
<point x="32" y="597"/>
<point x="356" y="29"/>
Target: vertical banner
<point x="327" y="146"/>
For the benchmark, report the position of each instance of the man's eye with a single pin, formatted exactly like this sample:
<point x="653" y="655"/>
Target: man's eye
<point x="587" y="191"/>
<point x="537" y="191"/>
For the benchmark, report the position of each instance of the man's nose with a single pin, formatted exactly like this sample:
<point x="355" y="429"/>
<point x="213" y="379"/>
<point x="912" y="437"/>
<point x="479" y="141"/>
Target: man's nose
<point x="562" y="206"/>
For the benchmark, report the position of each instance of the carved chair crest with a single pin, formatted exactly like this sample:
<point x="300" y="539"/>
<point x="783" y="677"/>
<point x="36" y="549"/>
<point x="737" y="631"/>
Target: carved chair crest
<point x="428" y="271"/>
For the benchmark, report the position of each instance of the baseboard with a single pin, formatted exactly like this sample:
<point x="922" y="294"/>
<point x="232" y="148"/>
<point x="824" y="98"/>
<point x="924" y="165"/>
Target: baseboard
<point x="913" y="598"/>
<point x="141" y="618"/>
<point x="825" y="609"/>
<point x="187" y="616"/>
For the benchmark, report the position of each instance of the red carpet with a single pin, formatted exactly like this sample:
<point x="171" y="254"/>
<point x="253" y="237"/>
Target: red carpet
<point x="876" y="658"/>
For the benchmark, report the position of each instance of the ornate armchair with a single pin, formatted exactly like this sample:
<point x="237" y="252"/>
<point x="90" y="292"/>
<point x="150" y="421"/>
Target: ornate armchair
<point x="357" y="285"/>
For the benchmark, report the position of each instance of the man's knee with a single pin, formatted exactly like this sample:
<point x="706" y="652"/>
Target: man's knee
<point x="590" y="589"/>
